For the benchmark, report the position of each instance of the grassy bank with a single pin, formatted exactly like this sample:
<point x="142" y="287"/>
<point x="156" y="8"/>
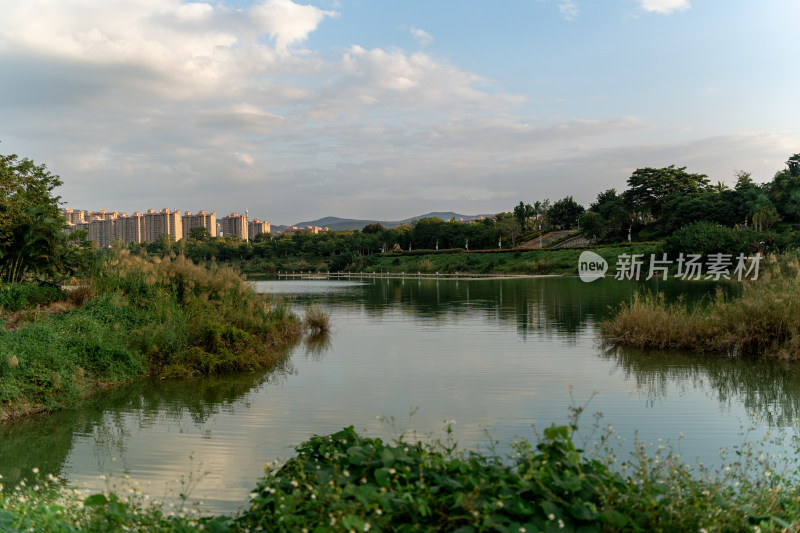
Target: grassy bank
<point x="137" y="317"/>
<point x="764" y="321"/>
<point x="347" y="482"/>
<point x="562" y="261"/>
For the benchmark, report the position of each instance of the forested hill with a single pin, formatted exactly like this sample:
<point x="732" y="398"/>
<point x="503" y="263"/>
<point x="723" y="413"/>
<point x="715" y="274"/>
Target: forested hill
<point x="341" y="224"/>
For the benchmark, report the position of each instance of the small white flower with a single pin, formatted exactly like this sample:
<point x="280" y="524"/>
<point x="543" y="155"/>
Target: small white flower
<point x="35" y="470"/>
<point x="551" y="516"/>
<point x="367" y="526"/>
<point x="392" y="471"/>
<point x="560" y="524"/>
<point x="347" y="473"/>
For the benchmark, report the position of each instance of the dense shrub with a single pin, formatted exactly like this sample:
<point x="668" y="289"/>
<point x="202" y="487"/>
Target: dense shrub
<point x="18" y="296"/>
<point x="708" y="238"/>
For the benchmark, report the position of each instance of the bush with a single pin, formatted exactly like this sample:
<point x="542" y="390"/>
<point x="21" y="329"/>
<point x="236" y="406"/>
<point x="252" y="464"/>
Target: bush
<point x="19" y="296"/>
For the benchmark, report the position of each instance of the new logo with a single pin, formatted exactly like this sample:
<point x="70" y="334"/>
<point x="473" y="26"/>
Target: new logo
<point x="591" y="266"/>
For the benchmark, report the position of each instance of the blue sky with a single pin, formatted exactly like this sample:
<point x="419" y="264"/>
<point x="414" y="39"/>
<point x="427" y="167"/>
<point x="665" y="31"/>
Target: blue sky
<point x="384" y="109"/>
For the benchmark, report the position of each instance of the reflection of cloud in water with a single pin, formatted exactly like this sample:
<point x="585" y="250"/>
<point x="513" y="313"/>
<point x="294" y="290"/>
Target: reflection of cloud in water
<point x="494" y="355"/>
<point x="305" y="287"/>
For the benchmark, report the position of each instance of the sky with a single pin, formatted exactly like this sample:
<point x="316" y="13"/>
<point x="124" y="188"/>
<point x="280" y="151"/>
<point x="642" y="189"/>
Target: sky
<point x="382" y="109"/>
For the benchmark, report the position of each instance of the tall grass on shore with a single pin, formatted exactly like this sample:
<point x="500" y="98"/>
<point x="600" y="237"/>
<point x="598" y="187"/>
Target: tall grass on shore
<point x="144" y="316"/>
<point x="764" y="321"/>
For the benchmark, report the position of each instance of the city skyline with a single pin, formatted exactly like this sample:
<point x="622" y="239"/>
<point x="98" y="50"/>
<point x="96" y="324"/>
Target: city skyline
<point x="379" y="110"/>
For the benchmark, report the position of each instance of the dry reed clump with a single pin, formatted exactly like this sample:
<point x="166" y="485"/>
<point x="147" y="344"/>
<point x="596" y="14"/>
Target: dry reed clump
<point x="316" y="320"/>
<point x="763" y="321"/>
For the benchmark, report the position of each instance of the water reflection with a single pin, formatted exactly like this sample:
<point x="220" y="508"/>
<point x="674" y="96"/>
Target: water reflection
<point x="496" y="355"/>
<point x="108" y="422"/>
<point x="768" y="389"/>
<point x="558" y="306"/>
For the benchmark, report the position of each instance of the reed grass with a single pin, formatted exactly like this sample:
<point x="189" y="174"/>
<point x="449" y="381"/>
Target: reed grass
<point x="141" y="316"/>
<point x="764" y="321"/>
<point x="316" y="320"/>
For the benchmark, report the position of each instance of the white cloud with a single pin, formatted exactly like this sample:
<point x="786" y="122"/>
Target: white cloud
<point x="569" y="9"/>
<point x="423" y="38"/>
<point x="665" y="7"/>
<point x="199" y="106"/>
<point x="287" y="22"/>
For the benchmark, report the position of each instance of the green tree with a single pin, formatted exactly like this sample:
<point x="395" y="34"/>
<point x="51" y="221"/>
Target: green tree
<point x="199" y="234"/>
<point x="522" y="213"/>
<point x="793" y="205"/>
<point x="649" y="188"/>
<point x="565" y="212"/>
<point x="375" y="227"/>
<point x="33" y="242"/>
<point x="427" y="231"/>
<point x="509" y="228"/>
<point x="23" y="185"/>
<point x="593" y="225"/>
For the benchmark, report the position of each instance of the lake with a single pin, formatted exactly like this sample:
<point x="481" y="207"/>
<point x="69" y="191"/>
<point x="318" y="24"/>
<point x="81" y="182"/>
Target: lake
<point x="496" y="356"/>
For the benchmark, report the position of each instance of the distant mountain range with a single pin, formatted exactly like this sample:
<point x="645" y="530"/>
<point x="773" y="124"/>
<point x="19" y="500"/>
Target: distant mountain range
<point x="341" y="224"/>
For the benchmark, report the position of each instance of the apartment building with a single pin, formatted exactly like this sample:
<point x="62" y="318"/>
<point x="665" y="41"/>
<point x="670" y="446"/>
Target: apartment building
<point x="74" y="217"/>
<point x="308" y="229"/>
<point x="105" y="227"/>
<point x="235" y="225"/>
<point x="132" y="228"/>
<point x="165" y="221"/>
<point x="200" y="219"/>
<point x="255" y="226"/>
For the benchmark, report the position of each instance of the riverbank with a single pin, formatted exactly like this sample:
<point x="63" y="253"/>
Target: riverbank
<point x="481" y="263"/>
<point x="348" y="482"/>
<point x="137" y="317"/>
<point x="763" y="322"/>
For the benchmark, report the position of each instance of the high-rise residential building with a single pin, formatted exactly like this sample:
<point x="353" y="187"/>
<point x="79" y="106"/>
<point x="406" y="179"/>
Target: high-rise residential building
<point x="100" y="215"/>
<point x="165" y="221"/>
<point x="132" y="228"/>
<point x="77" y="226"/>
<point x="255" y="226"/>
<point x="74" y="217"/>
<point x="235" y="225"/>
<point x="104" y="231"/>
<point x="200" y="219"/>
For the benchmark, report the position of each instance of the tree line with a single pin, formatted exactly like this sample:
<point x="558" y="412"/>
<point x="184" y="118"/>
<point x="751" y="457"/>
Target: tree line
<point x="657" y="203"/>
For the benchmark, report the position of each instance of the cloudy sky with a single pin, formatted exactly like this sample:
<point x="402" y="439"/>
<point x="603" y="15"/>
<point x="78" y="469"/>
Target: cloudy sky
<point x="388" y="109"/>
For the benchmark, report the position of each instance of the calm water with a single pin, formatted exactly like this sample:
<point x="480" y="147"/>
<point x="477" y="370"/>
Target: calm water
<point x="496" y="356"/>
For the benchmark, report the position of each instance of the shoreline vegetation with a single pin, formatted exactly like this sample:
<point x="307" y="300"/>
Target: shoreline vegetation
<point x="347" y="482"/>
<point x="136" y="317"/>
<point x="764" y="321"/>
<point x="482" y="264"/>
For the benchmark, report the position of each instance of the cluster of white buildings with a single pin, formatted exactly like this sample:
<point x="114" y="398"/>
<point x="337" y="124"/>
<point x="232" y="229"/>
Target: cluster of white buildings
<point x="106" y="227"/>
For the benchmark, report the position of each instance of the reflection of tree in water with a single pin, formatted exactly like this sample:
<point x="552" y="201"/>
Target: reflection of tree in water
<point x="769" y="389"/>
<point x="563" y="306"/>
<point x="45" y="441"/>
